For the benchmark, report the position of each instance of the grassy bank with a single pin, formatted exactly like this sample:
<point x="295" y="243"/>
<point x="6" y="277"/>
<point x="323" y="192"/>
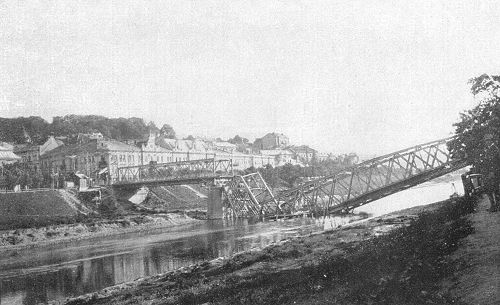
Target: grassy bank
<point x="349" y="266"/>
<point x="34" y="209"/>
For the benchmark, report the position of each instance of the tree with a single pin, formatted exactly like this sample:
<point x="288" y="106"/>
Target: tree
<point x="478" y="131"/>
<point x="152" y="128"/>
<point x="167" y="131"/>
<point x="270" y="175"/>
<point x="190" y="137"/>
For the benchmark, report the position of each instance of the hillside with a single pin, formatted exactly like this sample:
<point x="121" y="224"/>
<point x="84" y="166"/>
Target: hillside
<point x="36" y="130"/>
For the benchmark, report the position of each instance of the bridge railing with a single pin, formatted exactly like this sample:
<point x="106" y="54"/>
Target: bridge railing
<point x="193" y="169"/>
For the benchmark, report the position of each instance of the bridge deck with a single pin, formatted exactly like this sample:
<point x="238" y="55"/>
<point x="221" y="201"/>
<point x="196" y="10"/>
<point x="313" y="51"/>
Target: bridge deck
<point x="174" y="173"/>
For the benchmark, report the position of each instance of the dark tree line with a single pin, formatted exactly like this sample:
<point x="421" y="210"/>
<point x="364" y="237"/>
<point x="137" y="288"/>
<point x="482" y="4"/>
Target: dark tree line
<point x="478" y="131"/>
<point x="36" y="130"/>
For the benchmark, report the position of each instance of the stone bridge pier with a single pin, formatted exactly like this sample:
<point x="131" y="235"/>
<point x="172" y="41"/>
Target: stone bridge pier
<point x="214" y="209"/>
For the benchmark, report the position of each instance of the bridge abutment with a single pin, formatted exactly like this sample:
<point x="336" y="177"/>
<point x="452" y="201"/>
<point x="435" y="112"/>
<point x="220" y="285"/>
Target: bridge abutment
<point x="214" y="209"/>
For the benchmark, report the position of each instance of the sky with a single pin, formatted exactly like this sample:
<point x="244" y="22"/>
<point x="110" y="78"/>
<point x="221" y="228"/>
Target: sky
<point x="342" y="76"/>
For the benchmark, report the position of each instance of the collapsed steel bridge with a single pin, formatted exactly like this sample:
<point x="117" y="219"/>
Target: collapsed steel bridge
<point x="249" y="195"/>
<point x="347" y="189"/>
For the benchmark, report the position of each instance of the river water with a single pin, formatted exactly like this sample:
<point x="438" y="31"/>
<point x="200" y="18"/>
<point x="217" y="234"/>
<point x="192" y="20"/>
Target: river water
<point x="41" y="275"/>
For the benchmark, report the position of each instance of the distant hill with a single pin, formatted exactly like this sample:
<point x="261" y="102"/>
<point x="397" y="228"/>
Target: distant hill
<point x="36" y="130"/>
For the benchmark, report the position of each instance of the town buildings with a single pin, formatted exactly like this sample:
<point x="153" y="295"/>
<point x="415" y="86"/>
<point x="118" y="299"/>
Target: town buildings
<point x="304" y="153"/>
<point x="93" y="158"/>
<point x="281" y="156"/>
<point x="30" y="153"/>
<point x="99" y="158"/>
<point x="271" y="141"/>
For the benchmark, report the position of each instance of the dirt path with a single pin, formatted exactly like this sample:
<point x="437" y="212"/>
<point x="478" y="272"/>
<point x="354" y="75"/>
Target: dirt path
<point x="479" y="282"/>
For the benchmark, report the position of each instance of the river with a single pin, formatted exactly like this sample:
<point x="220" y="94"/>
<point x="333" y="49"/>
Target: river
<point x="54" y="273"/>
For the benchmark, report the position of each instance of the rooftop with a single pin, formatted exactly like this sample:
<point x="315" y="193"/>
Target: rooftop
<point x="93" y="146"/>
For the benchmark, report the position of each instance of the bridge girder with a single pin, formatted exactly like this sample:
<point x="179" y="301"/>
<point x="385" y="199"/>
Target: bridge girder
<point x="184" y="172"/>
<point x="367" y="181"/>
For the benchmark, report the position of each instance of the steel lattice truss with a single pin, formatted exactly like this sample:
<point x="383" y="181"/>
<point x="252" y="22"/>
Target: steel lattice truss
<point x="371" y="180"/>
<point x="248" y="196"/>
<point x="195" y="170"/>
<point x="357" y="185"/>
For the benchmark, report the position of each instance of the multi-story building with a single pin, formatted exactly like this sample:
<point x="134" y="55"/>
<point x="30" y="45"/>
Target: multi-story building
<point x="304" y="153"/>
<point x="86" y="137"/>
<point x="90" y="158"/>
<point x="325" y="156"/>
<point x="30" y="153"/>
<point x="151" y="152"/>
<point x="271" y="141"/>
<point x="281" y="156"/>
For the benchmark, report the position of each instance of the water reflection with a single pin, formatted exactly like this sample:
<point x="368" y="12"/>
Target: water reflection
<point x="39" y="276"/>
<point x="81" y="268"/>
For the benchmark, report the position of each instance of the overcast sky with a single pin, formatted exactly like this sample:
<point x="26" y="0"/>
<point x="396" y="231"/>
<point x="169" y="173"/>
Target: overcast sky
<point x="342" y="76"/>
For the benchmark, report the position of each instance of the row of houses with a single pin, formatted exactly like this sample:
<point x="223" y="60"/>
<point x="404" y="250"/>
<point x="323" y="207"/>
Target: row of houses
<point x="95" y="156"/>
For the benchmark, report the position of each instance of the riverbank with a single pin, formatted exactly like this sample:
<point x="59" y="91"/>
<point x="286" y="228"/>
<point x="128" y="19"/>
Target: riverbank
<point x="398" y="258"/>
<point x="478" y="281"/>
<point x="12" y="240"/>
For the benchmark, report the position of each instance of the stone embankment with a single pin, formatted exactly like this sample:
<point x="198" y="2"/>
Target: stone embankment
<point x="37" y="218"/>
<point x="35" y="237"/>
<point x="400" y="258"/>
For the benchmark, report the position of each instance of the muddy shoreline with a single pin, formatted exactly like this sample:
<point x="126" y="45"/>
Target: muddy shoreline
<point x="211" y="282"/>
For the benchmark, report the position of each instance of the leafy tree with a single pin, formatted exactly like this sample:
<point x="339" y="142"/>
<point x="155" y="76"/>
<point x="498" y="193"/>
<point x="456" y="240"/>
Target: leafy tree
<point x="290" y="173"/>
<point x="17" y="173"/>
<point x="270" y="175"/>
<point x="478" y="131"/>
<point x="152" y="128"/>
<point x="13" y="129"/>
<point x="167" y="131"/>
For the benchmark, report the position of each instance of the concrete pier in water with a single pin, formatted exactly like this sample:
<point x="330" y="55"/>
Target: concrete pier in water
<point x="214" y="210"/>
